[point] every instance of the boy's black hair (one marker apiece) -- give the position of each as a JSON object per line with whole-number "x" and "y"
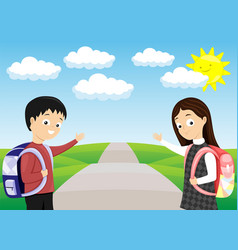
{"x": 40, "y": 105}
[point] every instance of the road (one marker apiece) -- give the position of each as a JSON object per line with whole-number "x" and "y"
{"x": 118, "y": 182}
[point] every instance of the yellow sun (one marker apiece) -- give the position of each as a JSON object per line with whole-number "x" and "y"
{"x": 210, "y": 65}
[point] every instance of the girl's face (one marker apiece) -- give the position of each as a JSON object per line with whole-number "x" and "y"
{"x": 189, "y": 125}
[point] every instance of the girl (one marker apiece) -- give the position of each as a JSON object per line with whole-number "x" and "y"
{"x": 192, "y": 124}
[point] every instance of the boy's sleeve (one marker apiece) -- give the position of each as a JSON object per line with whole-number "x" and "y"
{"x": 27, "y": 166}
{"x": 60, "y": 149}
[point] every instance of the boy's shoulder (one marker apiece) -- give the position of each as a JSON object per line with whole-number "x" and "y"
{"x": 32, "y": 145}
{"x": 39, "y": 147}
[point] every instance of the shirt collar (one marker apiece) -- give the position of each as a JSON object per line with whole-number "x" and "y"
{"x": 198, "y": 141}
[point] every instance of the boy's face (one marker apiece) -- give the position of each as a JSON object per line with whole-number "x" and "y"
{"x": 46, "y": 126}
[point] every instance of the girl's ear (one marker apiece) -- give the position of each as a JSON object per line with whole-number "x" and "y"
{"x": 204, "y": 119}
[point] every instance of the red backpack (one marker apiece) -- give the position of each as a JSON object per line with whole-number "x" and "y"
{"x": 224, "y": 184}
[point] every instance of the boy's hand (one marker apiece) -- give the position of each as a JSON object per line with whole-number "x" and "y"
{"x": 79, "y": 137}
{"x": 157, "y": 137}
{"x": 44, "y": 173}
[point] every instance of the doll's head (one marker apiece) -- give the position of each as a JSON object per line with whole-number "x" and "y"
{"x": 227, "y": 166}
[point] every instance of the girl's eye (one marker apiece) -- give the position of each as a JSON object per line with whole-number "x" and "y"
{"x": 190, "y": 122}
{"x": 58, "y": 125}
{"x": 46, "y": 122}
{"x": 179, "y": 126}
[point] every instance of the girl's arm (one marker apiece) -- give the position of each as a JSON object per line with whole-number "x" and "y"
{"x": 181, "y": 150}
{"x": 210, "y": 161}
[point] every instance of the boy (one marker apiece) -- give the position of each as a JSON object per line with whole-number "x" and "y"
{"x": 44, "y": 116}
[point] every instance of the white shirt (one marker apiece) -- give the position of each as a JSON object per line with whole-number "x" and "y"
{"x": 210, "y": 160}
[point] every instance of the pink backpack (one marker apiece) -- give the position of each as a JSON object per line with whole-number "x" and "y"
{"x": 224, "y": 184}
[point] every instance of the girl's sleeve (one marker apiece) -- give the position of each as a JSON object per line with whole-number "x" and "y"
{"x": 60, "y": 149}
{"x": 211, "y": 165}
{"x": 181, "y": 150}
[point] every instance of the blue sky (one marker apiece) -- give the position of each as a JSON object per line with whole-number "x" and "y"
{"x": 121, "y": 32}
{"x": 135, "y": 119}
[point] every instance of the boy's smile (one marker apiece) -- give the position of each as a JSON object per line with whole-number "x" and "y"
{"x": 46, "y": 126}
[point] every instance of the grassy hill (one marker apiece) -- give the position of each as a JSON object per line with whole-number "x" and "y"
{"x": 171, "y": 166}
{"x": 160, "y": 158}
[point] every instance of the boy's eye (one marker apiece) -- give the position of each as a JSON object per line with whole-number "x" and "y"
{"x": 190, "y": 122}
{"x": 58, "y": 125}
{"x": 179, "y": 126}
{"x": 46, "y": 122}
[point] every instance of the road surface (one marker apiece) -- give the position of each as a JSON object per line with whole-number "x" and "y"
{"x": 118, "y": 182}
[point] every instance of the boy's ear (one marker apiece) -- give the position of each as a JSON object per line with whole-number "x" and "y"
{"x": 31, "y": 121}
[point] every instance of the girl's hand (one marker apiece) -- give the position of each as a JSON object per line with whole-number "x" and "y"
{"x": 193, "y": 181}
{"x": 157, "y": 137}
{"x": 79, "y": 137}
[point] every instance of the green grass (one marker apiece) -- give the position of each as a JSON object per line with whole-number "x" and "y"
{"x": 89, "y": 153}
{"x": 171, "y": 166}
{"x": 65, "y": 166}
{"x": 160, "y": 158}
{"x": 147, "y": 153}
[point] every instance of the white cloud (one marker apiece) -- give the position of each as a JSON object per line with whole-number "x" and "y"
{"x": 87, "y": 58}
{"x": 102, "y": 88}
{"x": 32, "y": 69}
{"x": 181, "y": 77}
{"x": 151, "y": 57}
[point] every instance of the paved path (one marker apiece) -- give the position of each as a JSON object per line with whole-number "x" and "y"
{"x": 118, "y": 152}
{"x": 118, "y": 182}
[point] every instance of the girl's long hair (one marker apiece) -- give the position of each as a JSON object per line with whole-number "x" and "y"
{"x": 201, "y": 110}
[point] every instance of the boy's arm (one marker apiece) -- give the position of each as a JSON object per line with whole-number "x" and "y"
{"x": 60, "y": 149}
{"x": 27, "y": 166}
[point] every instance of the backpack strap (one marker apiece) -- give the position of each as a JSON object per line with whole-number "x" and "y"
{"x": 196, "y": 160}
{"x": 186, "y": 154}
{"x": 42, "y": 162}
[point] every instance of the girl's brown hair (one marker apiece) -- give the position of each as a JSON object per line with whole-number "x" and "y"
{"x": 201, "y": 110}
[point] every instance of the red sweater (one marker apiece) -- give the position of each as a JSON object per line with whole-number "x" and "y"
{"x": 31, "y": 167}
